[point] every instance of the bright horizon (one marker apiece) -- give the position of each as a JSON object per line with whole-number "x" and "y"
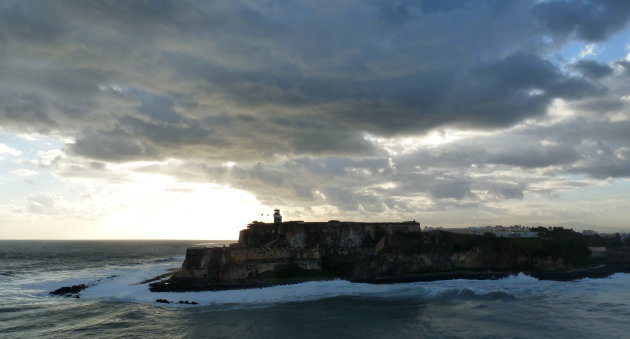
{"x": 190, "y": 120}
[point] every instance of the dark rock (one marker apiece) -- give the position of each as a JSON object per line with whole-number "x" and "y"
{"x": 601, "y": 271}
{"x": 163, "y": 301}
{"x": 73, "y": 291}
{"x": 70, "y": 291}
{"x": 159, "y": 277}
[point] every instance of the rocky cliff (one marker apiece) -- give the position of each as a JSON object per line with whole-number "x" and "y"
{"x": 268, "y": 254}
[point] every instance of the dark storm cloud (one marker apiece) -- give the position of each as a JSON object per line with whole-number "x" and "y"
{"x": 456, "y": 189}
{"x": 24, "y": 109}
{"x": 430, "y": 6}
{"x": 115, "y": 146}
{"x": 593, "y": 69}
{"x": 27, "y": 21}
{"x": 519, "y": 71}
{"x": 294, "y": 92}
{"x": 590, "y": 20}
{"x": 314, "y": 79}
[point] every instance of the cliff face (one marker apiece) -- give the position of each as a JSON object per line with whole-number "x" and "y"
{"x": 277, "y": 253}
{"x": 227, "y": 265}
{"x": 269, "y": 254}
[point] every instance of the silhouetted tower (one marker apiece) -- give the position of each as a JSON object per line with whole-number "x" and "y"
{"x": 277, "y": 218}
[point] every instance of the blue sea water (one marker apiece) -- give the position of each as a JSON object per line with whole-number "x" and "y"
{"x": 117, "y": 306}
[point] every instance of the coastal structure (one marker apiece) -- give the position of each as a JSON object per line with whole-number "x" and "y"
{"x": 277, "y": 217}
{"x": 325, "y": 235}
{"x": 515, "y": 231}
{"x": 377, "y": 252}
{"x": 294, "y": 250}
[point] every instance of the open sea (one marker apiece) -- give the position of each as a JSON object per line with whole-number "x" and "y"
{"x": 117, "y": 306}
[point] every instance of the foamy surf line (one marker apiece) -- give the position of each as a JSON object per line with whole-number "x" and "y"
{"x": 123, "y": 284}
{"x": 123, "y": 288}
{"x": 44, "y": 282}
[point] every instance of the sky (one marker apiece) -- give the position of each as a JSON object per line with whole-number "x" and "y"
{"x": 190, "y": 119}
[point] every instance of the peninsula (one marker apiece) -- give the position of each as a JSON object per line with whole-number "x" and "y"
{"x": 269, "y": 254}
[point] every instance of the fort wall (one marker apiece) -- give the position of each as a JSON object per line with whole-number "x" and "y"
{"x": 321, "y": 234}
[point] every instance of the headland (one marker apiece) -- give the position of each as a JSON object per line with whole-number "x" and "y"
{"x": 268, "y": 254}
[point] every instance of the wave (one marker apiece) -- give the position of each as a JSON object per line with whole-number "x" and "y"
{"x": 124, "y": 283}
{"x": 176, "y": 258}
{"x": 125, "y": 287}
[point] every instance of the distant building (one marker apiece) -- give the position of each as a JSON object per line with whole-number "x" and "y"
{"x": 589, "y": 232}
{"x": 515, "y": 231}
{"x": 519, "y": 234}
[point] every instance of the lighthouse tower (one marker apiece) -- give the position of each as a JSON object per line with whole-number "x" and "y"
{"x": 277, "y": 218}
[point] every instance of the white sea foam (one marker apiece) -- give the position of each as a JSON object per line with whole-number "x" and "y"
{"x": 123, "y": 287}
{"x": 121, "y": 283}
{"x": 41, "y": 283}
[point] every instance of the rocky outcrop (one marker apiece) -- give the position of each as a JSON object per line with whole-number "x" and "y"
{"x": 74, "y": 291}
{"x": 269, "y": 254}
{"x": 70, "y": 291}
{"x": 235, "y": 265}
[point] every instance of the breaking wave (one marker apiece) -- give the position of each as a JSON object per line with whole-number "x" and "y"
{"x": 124, "y": 283}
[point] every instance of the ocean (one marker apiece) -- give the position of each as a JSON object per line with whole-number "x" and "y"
{"x": 117, "y": 305}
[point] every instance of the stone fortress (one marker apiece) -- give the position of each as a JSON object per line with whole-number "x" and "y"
{"x": 268, "y": 254}
{"x": 291, "y": 250}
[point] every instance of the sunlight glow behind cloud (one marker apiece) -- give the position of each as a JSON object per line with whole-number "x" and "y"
{"x": 189, "y": 119}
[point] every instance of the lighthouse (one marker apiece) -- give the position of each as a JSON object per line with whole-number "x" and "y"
{"x": 277, "y": 218}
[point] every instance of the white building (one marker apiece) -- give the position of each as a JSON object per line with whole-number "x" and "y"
{"x": 515, "y": 231}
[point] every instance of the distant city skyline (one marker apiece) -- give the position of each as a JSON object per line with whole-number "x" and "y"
{"x": 190, "y": 119}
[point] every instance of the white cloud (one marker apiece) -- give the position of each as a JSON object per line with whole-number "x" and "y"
{"x": 23, "y": 172}
{"x": 46, "y": 158}
{"x": 5, "y": 149}
{"x": 381, "y": 111}
{"x": 46, "y": 204}
{"x": 589, "y": 50}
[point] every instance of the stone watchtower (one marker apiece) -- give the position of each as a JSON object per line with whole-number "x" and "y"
{"x": 277, "y": 218}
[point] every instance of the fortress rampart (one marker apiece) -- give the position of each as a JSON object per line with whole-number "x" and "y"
{"x": 297, "y": 234}
{"x": 289, "y": 252}
{"x": 266, "y": 251}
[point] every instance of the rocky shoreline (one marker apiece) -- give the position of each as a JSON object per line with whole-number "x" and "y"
{"x": 385, "y": 253}
{"x": 600, "y": 271}
{"x": 162, "y": 283}
{"x": 74, "y": 291}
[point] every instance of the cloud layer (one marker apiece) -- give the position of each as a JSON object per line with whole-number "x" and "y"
{"x": 325, "y": 103}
